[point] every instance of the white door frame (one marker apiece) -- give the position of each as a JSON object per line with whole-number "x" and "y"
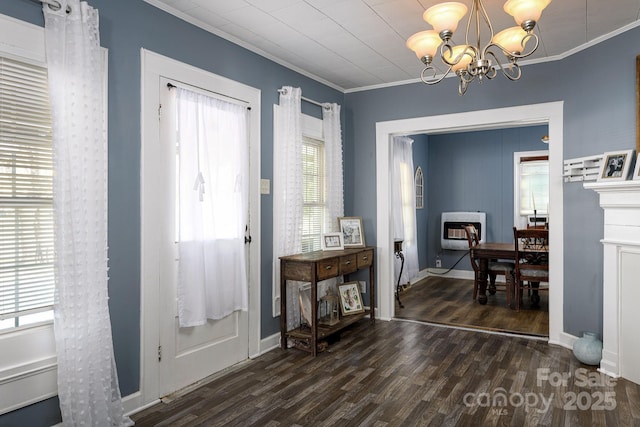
{"x": 547, "y": 113}
{"x": 153, "y": 66}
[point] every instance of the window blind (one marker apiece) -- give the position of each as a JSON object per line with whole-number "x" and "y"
{"x": 313, "y": 194}
{"x": 26, "y": 194}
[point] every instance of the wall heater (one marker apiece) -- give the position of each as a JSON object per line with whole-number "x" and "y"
{"x": 452, "y": 235}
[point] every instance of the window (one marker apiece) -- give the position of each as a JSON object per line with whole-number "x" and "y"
{"x": 314, "y": 194}
{"x": 419, "y": 188}
{"x": 26, "y": 196}
{"x": 531, "y": 186}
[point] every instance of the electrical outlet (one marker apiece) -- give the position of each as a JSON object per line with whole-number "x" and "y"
{"x": 438, "y": 263}
{"x": 363, "y": 286}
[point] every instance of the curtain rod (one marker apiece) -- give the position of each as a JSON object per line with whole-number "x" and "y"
{"x": 324, "y": 105}
{"x": 209, "y": 93}
{"x": 54, "y": 4}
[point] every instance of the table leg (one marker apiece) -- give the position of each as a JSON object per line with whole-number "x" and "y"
{"x": 283, "y": 308}
{"x": 314, "y": 317}
{"x": 482, "y": 280}
{"x": 535, "y": 297}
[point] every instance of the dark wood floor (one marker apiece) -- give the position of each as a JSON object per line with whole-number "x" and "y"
{"x": 450, "y": 302}
{"x": 403, "y": 373}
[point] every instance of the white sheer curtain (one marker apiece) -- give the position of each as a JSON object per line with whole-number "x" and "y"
{"x": 87, "y": 378}
{"x": 404, "y": 207}
{"x": 287, "y": 192}
{"x": 213, "y": 207}
{"x": 334, "y": 170}
{"x": 288, "y": 188}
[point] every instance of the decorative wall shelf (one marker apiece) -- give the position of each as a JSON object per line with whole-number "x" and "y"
{"x": 582, "y": 169}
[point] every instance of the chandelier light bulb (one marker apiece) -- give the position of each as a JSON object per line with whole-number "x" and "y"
{"x": 445, "y": 16}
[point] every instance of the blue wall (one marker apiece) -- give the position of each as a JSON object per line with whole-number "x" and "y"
{"x": 599, "y": 116}
{"x": 458, "y": 169}
{"x": 473, "y": 171}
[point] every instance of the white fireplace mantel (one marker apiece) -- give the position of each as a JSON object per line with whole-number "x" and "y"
{"x": 621, "y": 272}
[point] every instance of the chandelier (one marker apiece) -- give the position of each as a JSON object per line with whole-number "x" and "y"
{"x": 471, "y": 60}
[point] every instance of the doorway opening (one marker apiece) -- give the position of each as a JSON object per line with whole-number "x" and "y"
{"x": 550, "y": 114}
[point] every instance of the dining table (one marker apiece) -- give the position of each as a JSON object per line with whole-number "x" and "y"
{"x": 487, "y": 251}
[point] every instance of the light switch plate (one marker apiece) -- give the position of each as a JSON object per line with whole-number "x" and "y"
{"x": 265, "y": 186}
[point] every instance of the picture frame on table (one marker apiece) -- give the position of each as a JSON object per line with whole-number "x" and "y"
{"x": 636, "y": 170}
{"x": 350, "y": 298}
{"x": 352, "y": 231}
{"x": 304, "y": 298}
{"x": 332, "y": 241}
{"x": 615, "y": 165}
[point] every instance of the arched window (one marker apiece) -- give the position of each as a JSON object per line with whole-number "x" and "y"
{"x": 419, "y": 188}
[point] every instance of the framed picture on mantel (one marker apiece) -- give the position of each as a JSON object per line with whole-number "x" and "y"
{"x": 615, "y": 165}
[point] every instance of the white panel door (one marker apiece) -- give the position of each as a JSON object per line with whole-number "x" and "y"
{"x": 187, "y": 355}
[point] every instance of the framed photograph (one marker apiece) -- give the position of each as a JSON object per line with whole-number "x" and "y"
{"x": 304, "y": 298}
{"x": 352, "y": 231}
{"x": 332, "y": 242}
{"x": 615, "y": 165}
{"x": 350, "y": 298}
{"x": 636, "y": 171}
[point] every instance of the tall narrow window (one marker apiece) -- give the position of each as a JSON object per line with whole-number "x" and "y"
{"x": 26, "y": 196}
{"x": 419, "y": 188}
{"x": 314, "y": 193}
{"x": 531, "y": 186}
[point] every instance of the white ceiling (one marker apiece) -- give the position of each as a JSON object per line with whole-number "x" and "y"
{"x": 353, "y": 44}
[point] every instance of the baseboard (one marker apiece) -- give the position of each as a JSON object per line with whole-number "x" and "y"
{"x": 269, "y": 343}
{"x": 133, "y": 404}
{"x": 450, "y": 274}
{"x": 565, "y": 340}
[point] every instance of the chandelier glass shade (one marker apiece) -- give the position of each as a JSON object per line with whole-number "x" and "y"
{"x": 473, "y": 59}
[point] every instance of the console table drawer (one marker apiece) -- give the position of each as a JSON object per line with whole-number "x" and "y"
{"x": 327, "y": 268}
{"x": 365, "y": 258}
{"x": 348, "y": 264}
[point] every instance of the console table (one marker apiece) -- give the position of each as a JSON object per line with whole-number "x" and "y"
{"x": 313, "y": 267}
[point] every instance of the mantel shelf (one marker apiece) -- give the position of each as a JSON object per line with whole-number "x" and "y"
{"x": 629, "y": 185}
{"x": 617, "y": 194}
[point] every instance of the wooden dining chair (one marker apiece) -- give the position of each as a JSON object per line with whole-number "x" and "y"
{"x": 503, "y": 268}
{"x": 532, "y": 263}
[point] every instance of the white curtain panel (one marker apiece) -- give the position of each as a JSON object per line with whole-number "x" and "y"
{"x": 213, "y": 172}
{"x": 404, "y": 207}
{"x": 87, "y": 378}
{"x": 287, "y": 194}
{"x": 334, "y": 170}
